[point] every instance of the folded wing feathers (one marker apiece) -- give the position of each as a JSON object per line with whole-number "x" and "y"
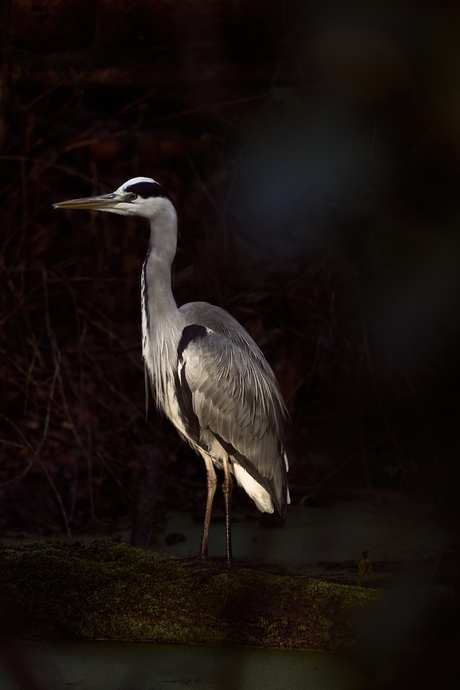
{"x": 235, "y": 395}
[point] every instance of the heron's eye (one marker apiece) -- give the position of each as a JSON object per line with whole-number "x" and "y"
{"x": 132, "y": 196}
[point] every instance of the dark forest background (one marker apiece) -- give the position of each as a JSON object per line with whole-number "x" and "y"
{"x": 313, "y": 152}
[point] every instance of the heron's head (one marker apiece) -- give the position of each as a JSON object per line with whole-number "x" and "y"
{"x": 140, "y": 196}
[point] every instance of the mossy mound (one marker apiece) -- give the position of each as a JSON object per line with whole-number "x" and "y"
{"x": 106, "y": 591}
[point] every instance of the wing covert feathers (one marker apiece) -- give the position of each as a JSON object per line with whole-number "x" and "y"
{"x": 227, "y": 391}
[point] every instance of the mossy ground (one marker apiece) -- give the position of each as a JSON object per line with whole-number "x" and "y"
{"x": 106, "y": 591}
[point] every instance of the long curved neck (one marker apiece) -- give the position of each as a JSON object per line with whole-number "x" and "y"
{"x": 157, "y": 296}
{"x": 161, "y": 320}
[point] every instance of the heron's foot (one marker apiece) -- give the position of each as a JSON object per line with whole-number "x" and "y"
{"x": 194, "y": 561}
{"x": 205, "y": 568}
{"x": 212, "y": 568}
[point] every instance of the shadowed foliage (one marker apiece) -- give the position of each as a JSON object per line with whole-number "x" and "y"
{"x": 310, "y": 150}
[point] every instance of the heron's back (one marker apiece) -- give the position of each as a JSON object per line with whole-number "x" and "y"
{"x": 228, "y": 392}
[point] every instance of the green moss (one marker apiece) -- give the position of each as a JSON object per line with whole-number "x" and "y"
{"x": 115, "y": 592}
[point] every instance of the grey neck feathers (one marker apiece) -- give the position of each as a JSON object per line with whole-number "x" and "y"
{"x": 161, "y": 320}
{"x": 157, "y": 264}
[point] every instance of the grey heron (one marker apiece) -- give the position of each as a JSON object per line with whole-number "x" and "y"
{"x": 207, "y": 374}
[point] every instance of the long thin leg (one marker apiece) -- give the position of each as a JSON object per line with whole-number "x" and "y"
{"x": 227, "y": 491}
{"x": 211, "y": 483}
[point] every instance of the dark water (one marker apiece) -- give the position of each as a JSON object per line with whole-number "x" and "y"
{"x": 120, "y": 666}
{"x": 403, "y": 540}
{"x": 405, "y": 543}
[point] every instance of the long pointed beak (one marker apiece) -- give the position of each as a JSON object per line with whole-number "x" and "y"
{"x": 97, "y": 203}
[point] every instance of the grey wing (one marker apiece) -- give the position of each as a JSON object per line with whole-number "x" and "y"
{"x": 225, "y": 394}
{"x": 220, "y": 321}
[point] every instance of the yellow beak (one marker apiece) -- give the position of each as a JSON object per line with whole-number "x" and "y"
{"x": 97, "y": 203}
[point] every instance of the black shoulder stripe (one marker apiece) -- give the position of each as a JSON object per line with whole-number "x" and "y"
{"x": 184, "y": 399}
{"x": 189, "y": 334}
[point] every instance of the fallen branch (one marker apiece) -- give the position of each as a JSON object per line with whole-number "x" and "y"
{"x": 107, "y": 591}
